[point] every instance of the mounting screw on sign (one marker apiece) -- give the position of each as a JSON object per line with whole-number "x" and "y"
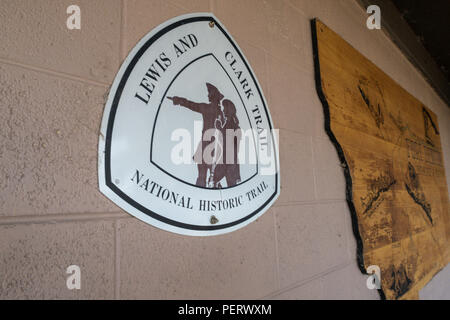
{"x": 213, "y": 220}
{"x": 374, "y": 20}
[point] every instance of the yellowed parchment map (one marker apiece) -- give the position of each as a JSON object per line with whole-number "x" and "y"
{"x": 389, "y": 145}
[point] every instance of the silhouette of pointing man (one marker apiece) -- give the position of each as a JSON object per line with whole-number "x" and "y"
{"x": 210, "y": 112}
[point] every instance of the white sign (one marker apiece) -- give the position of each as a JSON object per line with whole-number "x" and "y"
{"x": 186, "y": 141}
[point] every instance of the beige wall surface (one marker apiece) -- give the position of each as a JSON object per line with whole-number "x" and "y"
{"x": 53, "y": 86}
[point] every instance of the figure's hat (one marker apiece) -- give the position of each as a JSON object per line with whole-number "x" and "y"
{"x": 212, "y": 90}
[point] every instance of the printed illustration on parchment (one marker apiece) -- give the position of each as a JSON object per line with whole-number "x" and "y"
{"x": 389, "y": 146}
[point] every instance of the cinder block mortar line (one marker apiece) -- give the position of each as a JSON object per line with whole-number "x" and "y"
{"x": 308, "y": 203}
{"x": 298, "y": 132}
{"x": 303, "y": 133}
{"x": 122, "y": 42}
{"x": 267, "y": 94}
{"x": 117, "y": 260}
{"x": 187, "y": 8}
{"x": 59, "y": 218}
{"x": 122, "y": 55}
{"x": 277, "y": 257}
{"x": 298, "y": 10}
{"x": 277, "y": 261}
{"x": 299, "y": 67}
{"x": 54, "y": 73}
{"x": 239, "y": 40}
{"x": 314, "y": 169}
{"x": 305, "y": 281}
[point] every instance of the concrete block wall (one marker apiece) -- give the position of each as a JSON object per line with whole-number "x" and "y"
{"x": 53, "y": 87}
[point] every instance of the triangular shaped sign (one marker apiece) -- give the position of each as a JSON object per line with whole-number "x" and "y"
{"x": 186, "y": 141}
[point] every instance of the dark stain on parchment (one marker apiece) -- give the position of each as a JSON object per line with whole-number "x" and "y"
{"x": 414, "y": 189}
{"x": 376, "y": 188}
{"x": 429, "y": 124}
{"x": 400, "y": 281}
{"x": 373, "y": 106}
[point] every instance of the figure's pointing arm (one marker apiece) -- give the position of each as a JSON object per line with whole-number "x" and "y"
{"x": 194, "y": 106}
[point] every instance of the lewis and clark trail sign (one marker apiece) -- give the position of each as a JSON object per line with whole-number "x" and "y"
{"x": 186, "y": 141}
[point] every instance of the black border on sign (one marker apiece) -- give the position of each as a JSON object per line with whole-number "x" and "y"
{"x": 156, "y": 119}
{"x": 112, "y": 116}
{"x": 348, "y": 177}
